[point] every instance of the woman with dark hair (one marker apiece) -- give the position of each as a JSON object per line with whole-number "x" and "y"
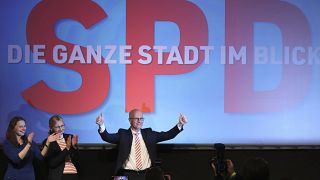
{"x": 20, "y": 150}
{"x": 62, "y": 156}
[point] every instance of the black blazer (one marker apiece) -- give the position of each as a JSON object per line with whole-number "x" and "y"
{"x": 55, "y": 158}
{"x": 123, "y": 138}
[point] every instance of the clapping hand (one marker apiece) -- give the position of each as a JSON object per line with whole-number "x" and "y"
{"x": 74, "y": 141}
{"x": 30, "y": 137}
{"x": 68, "y": 143}
{"x": 53, "y": 137}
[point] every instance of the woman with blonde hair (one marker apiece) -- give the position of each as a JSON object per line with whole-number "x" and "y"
{"x": 62, "y": 156}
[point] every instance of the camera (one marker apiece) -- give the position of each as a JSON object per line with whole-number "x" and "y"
{"x": 219, "y": 159}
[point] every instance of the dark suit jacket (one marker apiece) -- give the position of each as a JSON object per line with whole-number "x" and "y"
{"x": 55, "y": 158}
{"x": 123, "y": 138}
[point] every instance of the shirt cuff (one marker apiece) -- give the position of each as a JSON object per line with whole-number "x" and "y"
{"x": 179, "y": 126}
{"x": 102, "y": 127}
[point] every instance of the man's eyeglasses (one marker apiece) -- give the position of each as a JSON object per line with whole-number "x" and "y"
{"x": 59, "y": 127}
{"x": 136, "y": 119}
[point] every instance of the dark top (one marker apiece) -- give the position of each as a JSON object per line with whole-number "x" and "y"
{"x": 123, "y": 138}
{"x": 55, "y": 158}
{"x": 20, "y": 169}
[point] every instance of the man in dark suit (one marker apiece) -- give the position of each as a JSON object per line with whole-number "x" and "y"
{"x": 137, "y": 146}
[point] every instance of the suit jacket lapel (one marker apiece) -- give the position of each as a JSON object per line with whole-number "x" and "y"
{"x": 129, "y": 138}
{"x": 145, "y": 139}
{"x": 144, "y": 135}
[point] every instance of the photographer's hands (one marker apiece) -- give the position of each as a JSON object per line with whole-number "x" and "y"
{"x": 213, "y": 167}
{"x": 230, "y": 168}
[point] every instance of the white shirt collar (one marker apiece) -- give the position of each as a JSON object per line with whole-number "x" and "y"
{"x": 135, "y": 132}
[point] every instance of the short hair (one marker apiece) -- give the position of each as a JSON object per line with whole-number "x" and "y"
{"x": 52, "y": 121}
{"x": 133, "y": 111}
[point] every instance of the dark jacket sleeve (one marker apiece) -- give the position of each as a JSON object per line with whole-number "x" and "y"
{"x": 172, "y": 133}
{"x": 55, "y": 156}
{"x": 11, "y": 152}
{"x": 113, "y": 138}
